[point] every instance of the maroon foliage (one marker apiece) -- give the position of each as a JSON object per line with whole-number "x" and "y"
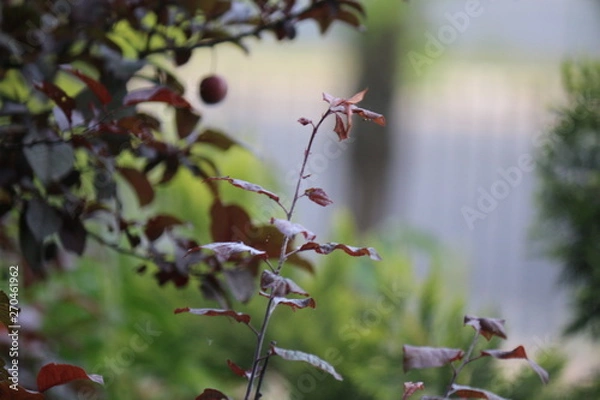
{"x": 211, "y": 312}
{"x": 427, "y": 357}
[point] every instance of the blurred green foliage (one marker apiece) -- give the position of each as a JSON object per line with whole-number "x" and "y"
{"x": 569, "y": 167}
{"x": 105, "y": 316}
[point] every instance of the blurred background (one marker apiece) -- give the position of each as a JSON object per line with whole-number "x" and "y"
{"x": 446, "y": 193}
{"x": 467, "y": 103}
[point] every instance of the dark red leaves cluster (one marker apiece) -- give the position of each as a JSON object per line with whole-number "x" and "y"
{"x": 61, "y": 173}
{"x": 345, "y": 108}
{"x": 430, "y": 357}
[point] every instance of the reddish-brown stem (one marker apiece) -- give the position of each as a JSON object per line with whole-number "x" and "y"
{"x": 261, "y": 377}
{"x": 466, "y": 359}
{"x": 282, "y": 257}
{"x": 304, "y": 162}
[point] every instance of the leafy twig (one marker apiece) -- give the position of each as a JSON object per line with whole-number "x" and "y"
{"x": 466, "y": 359}
{"x": 235, "y": 38}
{"x": 282, "y": 258}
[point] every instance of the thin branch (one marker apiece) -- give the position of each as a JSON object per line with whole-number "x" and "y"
{"x": 120, "y": 249}
{"x": 466, "y": 359}
{"x": 285, "y": 210}
{"x": 282, "y": 258}
{"x": 258, "y": 349}
{"x": 263, "y": 370}
{"x": 291, "y": 253}
{"x": 266, "y": 260}
{"x": 235, "y": 38}
{"x": 253, "y": 329}
{"x": 304, "y": 162}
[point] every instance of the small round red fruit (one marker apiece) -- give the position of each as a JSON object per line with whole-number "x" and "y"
{"x": 213, "y": 89}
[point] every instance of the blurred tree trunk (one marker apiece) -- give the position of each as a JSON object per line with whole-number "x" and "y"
{"x": 371, "y": 152}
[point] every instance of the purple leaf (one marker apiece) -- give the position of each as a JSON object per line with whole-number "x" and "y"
{"x": 351, "y": 250}
{"x": 281, "y": 286}
{"x": 155, "y": 94}
{"x": 58, "y": 374}
{"x": 251, "y": 187}
{"x": 96, "y": 87}
{"x": 428, "y": 357}
{"x": 410, "y": 388}
{"x": 213, "y": 312}
{"x": 473, "y": 393}
{"x": 224, "y": 250}
{"x": 156, "y": 225}
{"x": 294, "y": 303}
{"x": 293, "y": 355}
{"x": 72, "y": 234}
{"x": 61, "y": 99}
{"x": 240, "y": 282}
{"x": 211, "y": 394}
{"x": 239, "y": 371}
{"x": 488, "y": 327}
{"x": 318, "y": 196}
{"x": 519, "y": 353}
{"x": 140, "y": 184}
{"x": 291, "y": 229}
